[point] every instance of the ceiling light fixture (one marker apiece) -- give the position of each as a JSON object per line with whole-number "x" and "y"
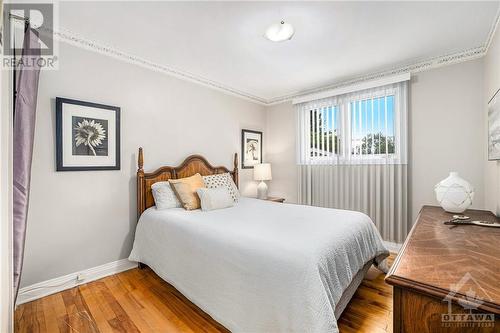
{"x": 280, "y": 32}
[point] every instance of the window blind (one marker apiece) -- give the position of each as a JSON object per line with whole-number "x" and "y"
{"x": 367, "y": 127}
{"x": 352, "y": 154}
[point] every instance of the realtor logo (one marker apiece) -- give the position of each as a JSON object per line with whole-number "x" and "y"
{"x": 41, "y": 18}
{"x": 471, "y": 302}
{"x": 41, "y": 21}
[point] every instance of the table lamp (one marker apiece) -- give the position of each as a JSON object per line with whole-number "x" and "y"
{"x": 262, "y": 172}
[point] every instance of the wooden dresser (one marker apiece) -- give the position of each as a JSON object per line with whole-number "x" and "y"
{"x": 445, "y": 278}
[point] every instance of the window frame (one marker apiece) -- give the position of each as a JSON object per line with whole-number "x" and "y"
{"x": 309, "y": 151}
{"x": 345, "y": 129}
{"x": 360, "y": 97}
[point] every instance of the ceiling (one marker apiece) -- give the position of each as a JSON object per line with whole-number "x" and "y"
{"x": 222, "y": 42}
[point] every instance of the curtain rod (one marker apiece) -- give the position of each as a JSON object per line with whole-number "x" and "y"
{"x": 17, "y": 17}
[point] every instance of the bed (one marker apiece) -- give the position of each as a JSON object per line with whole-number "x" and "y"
{"x": 258, "y": 266}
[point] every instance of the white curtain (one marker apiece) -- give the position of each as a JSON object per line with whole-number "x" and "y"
{"x": 352, "y": 154}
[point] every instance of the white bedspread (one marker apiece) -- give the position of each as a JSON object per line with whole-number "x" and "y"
{"x": 260, "y": 266}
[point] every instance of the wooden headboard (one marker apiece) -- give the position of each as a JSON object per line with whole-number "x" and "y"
{"x": 191, "y": 165}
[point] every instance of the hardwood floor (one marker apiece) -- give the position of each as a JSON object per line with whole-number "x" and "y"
{"x": 139, "y": 301}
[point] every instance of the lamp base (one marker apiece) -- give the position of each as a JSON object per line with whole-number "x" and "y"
{"x": 262, "y": 190}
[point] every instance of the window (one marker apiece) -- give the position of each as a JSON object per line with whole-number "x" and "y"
{"x": 324, "y": 131}
{"x": 372, "y": 126}
{"x": 362, "y": 127}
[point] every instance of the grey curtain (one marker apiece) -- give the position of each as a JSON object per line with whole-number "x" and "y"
{"x": 24, "y": 131}
{"x": 378, "y": 190}
{"x": 371, "y": 180}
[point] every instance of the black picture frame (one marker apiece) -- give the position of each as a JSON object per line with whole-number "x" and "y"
{"x": 243, "y": 131}
{"x": 60, "y": 101}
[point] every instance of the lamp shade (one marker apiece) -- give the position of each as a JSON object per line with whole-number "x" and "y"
{"x": 262, "y": 172}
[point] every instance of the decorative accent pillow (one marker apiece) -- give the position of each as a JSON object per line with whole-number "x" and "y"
{"x": 185, "y": 190}
{"x": 223, "y": 180}
{"x": 164, "y": 196}
{"x": 215, "y": 198}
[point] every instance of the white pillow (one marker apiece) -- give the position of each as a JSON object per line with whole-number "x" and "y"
{"x": 164, "y": 196}
{"x": 215, "y": 198}
{"x": 222, "y": 180}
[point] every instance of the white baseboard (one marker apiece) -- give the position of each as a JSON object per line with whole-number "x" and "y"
{"x": 393, "y": 247}
{"x": 52, "y": 286}
{"x": 45, "y": 288}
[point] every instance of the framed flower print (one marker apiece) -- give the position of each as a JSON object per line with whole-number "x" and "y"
{"x": 87, "y": 136}
{"x": 251, "y": 148}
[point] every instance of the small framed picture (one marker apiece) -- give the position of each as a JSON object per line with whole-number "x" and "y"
{"x": 494, "y": 127}
{"x": 87, "y": 136}
{"x": 251, "y": 148}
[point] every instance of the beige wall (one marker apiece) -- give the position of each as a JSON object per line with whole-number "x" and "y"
{"x": 445, "y": 134}
{"x": 491, "y": 85}
{"x": 280, "y": 151}
{"x": 78, "y": 220}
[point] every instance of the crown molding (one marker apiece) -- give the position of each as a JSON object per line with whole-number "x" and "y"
{"x": 77, "y": 40}
{"x": 411, "y": 68}
{"x": 74, "y": 39}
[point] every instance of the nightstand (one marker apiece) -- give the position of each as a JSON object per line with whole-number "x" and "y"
{"x": 275, "y": 199}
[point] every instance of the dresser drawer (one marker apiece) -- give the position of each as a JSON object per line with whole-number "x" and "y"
{"x": 447, "y": 279}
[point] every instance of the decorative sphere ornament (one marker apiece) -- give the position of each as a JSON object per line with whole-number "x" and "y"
{"x": 454, "y": 194}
